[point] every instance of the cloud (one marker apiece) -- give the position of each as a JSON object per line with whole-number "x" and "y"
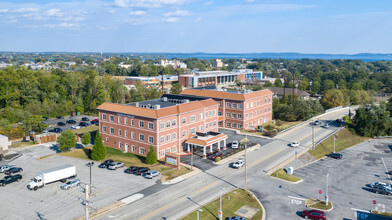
{"x": 4, "y": 10}
{"x": 209, "y": 3}
{"x": 178, "y": 13}
{"x": 172, "y": 19}
{"x": 146, "y": 3}
{"x": 54, "y": 12}
{"x": 26, "y": 10}
{"x": 137, "y": 13}
{"x": 64, "y": 25}
{"x": 250, "y": 1}
{"x": 135, "y": 21}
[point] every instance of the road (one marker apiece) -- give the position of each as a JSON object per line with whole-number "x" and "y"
{"x": 175, "y": 201}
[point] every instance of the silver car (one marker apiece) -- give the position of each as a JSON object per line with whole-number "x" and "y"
{"x": 4, "y": 168}
{"x": 151, "y": 174}
{"x": 115, "y": 165}
{"x": 72, "y": 183}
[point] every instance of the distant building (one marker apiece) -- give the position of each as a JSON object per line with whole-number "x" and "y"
{"x": 151, "y": 81}
{"x": 280, "y": 92}
{"x": 175, "y": 63}
{"x": 4, "y": 144}
{"x": 217, "y": 78}
{"x": 126, "y": 66}
{"x": 218, "y": 63}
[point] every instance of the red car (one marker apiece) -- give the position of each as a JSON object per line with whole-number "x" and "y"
{"x": 390, "y": 172}
{"x": 314, "y": 214}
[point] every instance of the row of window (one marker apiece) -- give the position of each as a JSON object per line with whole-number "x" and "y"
{"x": 233, "y": 115}
{"x": 120, "y": 120}
{"x": 119, "y": 133}
{"x": 184, "y": 132}
{"x": 259, "y": 112}
{"x": 142, "y": 150}
{"x": 258, "y": 103}
{"x": 233, "y": 125}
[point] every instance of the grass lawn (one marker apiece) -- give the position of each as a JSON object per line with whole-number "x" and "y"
{"x": 321, "y": 205}
{"x": 281, "y": 125}
{"x": 345, "y": 140}
{"x": 90, "y": 128}
{"x": 382, "y": 213}
{"x": 280, "y": 173}
{"x": 22, "y": 144}
{"x": 172, "y": 173}
{"x": 238, "y": 198}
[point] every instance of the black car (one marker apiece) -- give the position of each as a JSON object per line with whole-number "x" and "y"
{"x": 141, "y": 171}
{"x": 83, "y": 124}
{"x": 61, "y": 123}
{"x": 59, "y": 117}
{"x": 105, "y": 164}
{"x": 45, "y": 118}
{"x": 52, "y": 130}
{"x": 13, "y": 170}
{"x": 85, "y": 119}
{"x": 10, "y": 179}
{"x": 335, "y": 155}
{"x": 131, "y": 170}
{"x": 58, "y": 130}
{"x": 93, "y": 122}
{"x": 71, "y": 122}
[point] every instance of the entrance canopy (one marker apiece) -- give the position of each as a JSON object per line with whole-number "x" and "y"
{"x": 206, "y": 139}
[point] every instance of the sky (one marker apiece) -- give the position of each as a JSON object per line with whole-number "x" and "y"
{"x": 187, "y": 26}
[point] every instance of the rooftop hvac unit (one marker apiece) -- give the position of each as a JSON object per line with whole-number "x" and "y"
{"x": 165, "y": 99}
{"x": 156, "y": 106}
{"x": 185, "y": 101}
{"x": 137, "y": 104}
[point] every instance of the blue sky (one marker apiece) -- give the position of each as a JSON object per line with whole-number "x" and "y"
{"x": 215, "y": 26}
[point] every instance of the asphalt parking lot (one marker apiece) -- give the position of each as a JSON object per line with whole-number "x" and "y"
{"x": 53, "y": 122}
{"x": 206, "y": 164}
{"x": 50, "y": 202}
{"x": 347, "y": 183}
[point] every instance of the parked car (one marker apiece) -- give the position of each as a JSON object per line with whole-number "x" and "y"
{"x": 314, "y": 214}
{"x": 131, "y": 170}
{"x": 141, "y": 171}
{"x": 382, "y": 189}
{"x": 4, "y": 168}
{"x": 151, "y": 174}
{"x": 105, "y": 164}
{"x": 52, "y": 130}
{"x": 58, "y": 130}
{"x": 10, "y": 179}
{"x": 72, "y": 183}
{"x": 83, "y": 124}
{"x": 235, "y": 218}
{"x": 294, "y": 144}
{"x": 390, "y": 172}
{"x": 326, "y": 125}
{"x": 75, "y": 127}
{"x": 85, "y": 119}
{"x": 59, "y": 117}
{"x": 71, "y": 122}
{"x": 96, "y": 120}
{"x": 238, "y": 164}
{"x": 234, "y": 144}
{"x": 335, "y": 155}
{"x": 45, "y": 118}
{"x": 61, "y": 123}
{"x": 13, "y": 170}
{"x": 115, "y": 165}
{"x": 379, "y": 184}
{"x": 338, "y": 120}
{"x": 215, "y": 155}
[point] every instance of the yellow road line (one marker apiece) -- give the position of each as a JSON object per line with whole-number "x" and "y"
{"x": 266, "y": 157}
{"x": 309, "y": 135}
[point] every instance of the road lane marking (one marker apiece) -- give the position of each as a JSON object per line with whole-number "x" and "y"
{"x": 296, "y": 198}
{"x": 264, "y": 158}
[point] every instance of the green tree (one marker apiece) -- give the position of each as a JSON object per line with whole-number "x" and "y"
{"x": 370, "y": 121}
{"x": 34, "y": 122}
{"x": 176, "y": 88}
{"x": 151, "y": 156}
{"x": 268, "y": 84}
{"x": 316, "y": 87}
{"x": 66, "y": 140}
{"x": 328, "y": 84}
{"x": 333, "y": 98}
{"x": 99, "y": 150}
{"x": 86, "y": 138}
{"x": 278, "y": 83}
{"x": 303, "y": 85}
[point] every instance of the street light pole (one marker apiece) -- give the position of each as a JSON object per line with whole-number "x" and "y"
{"x": 220, "y": 203}
{"x": 326, "y": 192}
{"x": 313, "y": 134}
{"x": 198, "y": 210}
{"x": 192, "y": 159}
{"x": 90, "y": 164}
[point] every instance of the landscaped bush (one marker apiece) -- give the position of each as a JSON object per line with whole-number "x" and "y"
{"x": 217, "y": 159}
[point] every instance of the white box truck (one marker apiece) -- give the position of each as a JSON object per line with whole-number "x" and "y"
{"x": 52, "y": 175}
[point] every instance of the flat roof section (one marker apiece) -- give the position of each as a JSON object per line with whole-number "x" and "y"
{"x": 168, "y": 100}
{"x": 205, "y": 139}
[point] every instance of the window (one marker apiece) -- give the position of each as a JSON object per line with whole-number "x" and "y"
{"x": 210, "y": 124}
{"x": 174, "y": 149}
{"x": 111, "y": 130}
{"x": 133, "y": 148}
{"x": 168, "y": 124}
{"x": 174, "y": 135}
{"x": 183, "y": 120}
{"x": 247, "y": 116}
{"x": 200, "y": 116}
{"x": 111, "y": 118}
{"x": 269, "y": 108}
{"x": 126, "y": 133}
{"x": 103, "y": 116}
{"x": 141, "y": 150}
{"x": 162, "y": 153}
{"x": 119, "y": 119}
{"x": 103, "y": 128}
{"x": 228, "y": 104}
{"x": 168, "y": 137}
{"x": 201, "y": 128}
{"x": 240, "y": 106}
{"x": 150, "y": 139}
{"x": 251, "y": 114}
{"x": 251, "y": 104}
{"x": 239, "y": 126}
{"x": 125, "y": 120}
{"x": 233, "y": 125}
{"x": 119, "y": 132}
{"x": 107, "y": 139}
{"x": 119, "y": 145}
{"x": 247, "y": 105}
{"x": 193, "y": 130}
{"x": 211, "y": 113}
{"x": 219, "y": 113}
{"x": 228, "y": 114}
{"x": 227, "y": 124}
{"x": 174, "y": 122}
{"x": 239, "y": 116}
{"x": 168, "y": 150}
{"x": 265, "y": 101}
{"x": 141, "y": 124}
{"x": 220, "y": 103}
{"x": 162, "y": 125}
{"x": 214, "y": 123}
{"x": 192, "y": 118}
{"x": 132, "y": 135}
{"x": 162, "y": 139}
{"x": 234, "y": 115}
{"x": 214, "y": 112}
{"x": 265, "y": 110}
{"x": 206, "y": 114}
{"x": 206, "y": 125}
{"x": 269, "y": 100}
{"x": 150, "y": 125}
{"x": 183, "y": 133}
{"x": 141, "y": 137}
{"x": 132, "y": 122}
{"x": 234, "y": 105}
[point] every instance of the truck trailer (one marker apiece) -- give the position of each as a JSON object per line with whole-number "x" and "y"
{"x": 62, "y": 174}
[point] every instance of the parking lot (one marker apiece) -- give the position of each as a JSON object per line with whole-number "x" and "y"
{"x": 53, "y": 122}
{"x": 206, "y": 164}
{"x": 50, "y": 202}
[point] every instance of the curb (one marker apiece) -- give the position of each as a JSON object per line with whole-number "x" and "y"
{"x": 184, "y": 176}
{"x": 236, "y": 155}
{"x": 299, "y": 181}
{"x": 262, "y": 207}
{"x": 323, "y": 210}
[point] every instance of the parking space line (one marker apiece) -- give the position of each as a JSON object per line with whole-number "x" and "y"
{"x": 296, "y": 198}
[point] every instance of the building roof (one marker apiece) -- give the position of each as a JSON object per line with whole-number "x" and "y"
{"x": 221, "y": 94}
{"x": 177, "y": 108}
{"x": 206, "y": 138}
{"x": 281, "y": 91}
{"x": 2, "y": 136}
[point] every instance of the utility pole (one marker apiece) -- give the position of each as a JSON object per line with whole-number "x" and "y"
{"x": 86, "y": 202}
{"x": 162, "y": 83}
{"x": 90, "y": 164}
{"x": 192, "y": 159}
{"x": 246, "y": 161}
{"x": 313, "y": 134}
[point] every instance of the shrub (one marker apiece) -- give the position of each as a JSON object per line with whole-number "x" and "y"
{"x": 151, "y": 156}
{"x": 86, "y": 139}
{"x": 99, "y": 150}
{"x": 66, "y": 140}
{"x": 217, "y": 159}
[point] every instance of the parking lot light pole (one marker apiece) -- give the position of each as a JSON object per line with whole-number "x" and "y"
{"x": 326, "y": 192}
{"x": 246, "y": 161}
{"x": 198, "y": 210}
{"x": 90, "y": 164}
{"x": 192, "y": 159}
{"x": 220, "y": 203}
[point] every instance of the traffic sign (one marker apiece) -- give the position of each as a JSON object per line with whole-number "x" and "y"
{"x": 374, "y": 202}
{"x": 220, "y": 214}
{"x": 320, "y": 191}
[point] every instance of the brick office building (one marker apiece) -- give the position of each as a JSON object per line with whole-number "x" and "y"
{"x": 238, "y": 109}
{"x": 172, "y": 124}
